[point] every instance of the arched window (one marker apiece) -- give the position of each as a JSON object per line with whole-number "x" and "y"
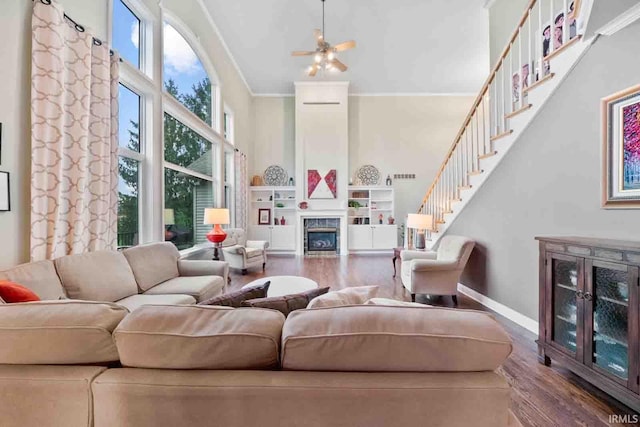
{"x": 185, "y": 78}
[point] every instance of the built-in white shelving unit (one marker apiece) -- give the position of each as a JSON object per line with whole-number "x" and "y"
{"x": 370, "y": 208}
{"x": 281, "y": 204}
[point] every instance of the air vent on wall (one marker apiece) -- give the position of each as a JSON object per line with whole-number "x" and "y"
{"x": 404, "y": 176}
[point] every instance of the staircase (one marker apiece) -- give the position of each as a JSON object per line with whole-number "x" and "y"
{"x": 501, "y": 113}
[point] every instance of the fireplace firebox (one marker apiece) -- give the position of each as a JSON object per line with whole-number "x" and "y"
{"x": 322, "y": 237}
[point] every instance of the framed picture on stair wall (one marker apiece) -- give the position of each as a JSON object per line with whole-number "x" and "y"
{"x": 621, "y": 149}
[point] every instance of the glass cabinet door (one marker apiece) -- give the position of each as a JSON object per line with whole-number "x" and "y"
{"x": 608, "y": 301}
{"x": 566, "y": 316}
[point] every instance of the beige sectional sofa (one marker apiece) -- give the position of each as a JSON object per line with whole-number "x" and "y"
{"x": 74, "y": 363}
{"x": 146, "y": 274}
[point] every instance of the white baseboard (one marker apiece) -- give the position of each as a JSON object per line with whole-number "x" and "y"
{"x": 501, "y": 309}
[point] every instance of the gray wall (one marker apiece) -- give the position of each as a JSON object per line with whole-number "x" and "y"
{"x": 504, "y": 15}
{"x": 549, "y": 183}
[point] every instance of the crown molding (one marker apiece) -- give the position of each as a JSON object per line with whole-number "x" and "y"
{"x": 381, "y": 94}
{"x": 620, "y": 22}
{"x": 216, "y": 30}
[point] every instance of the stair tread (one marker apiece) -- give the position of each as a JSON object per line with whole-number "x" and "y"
{"x": 563, "y": 47}
{"x": 540, "y": 82}
{"x": 501, "y": 135}
{"x": 486, "y": 156}
{"x": 518, "y": 111}
{"x": 474, "y": 173}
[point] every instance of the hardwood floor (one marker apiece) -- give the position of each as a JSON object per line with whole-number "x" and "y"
{"x": 540, "y": 396}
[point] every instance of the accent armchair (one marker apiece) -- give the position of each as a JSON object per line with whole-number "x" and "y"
{"x": 241, "y": 253}
{"x": 436, "y": 272}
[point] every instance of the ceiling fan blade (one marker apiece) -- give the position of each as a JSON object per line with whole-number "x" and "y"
{"x": 302, "y": 53}
{"x": 314, "y": 70}
{"x": 344, "y": 46}
{"x": 317, "y": 34}
{"x": 339, "y": 65}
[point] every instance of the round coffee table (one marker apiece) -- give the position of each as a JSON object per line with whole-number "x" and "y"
{"x": 284, "y": 285}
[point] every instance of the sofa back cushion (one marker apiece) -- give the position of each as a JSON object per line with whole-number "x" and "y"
{"x": 348, "y": 296}
{"x": 96, "y": 276}
{"x": 40, "y": 277}
{"x": 393, "y": 339}
{"x": 235, "y": 236}
{"x": 61, "y": 332}
{"x": 153, "y": 264}
{"x": 199, "y": 337}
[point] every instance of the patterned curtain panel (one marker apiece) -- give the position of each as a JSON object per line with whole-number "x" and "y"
{"x": 242, "y": 189}
{"x": 74, "y": 143}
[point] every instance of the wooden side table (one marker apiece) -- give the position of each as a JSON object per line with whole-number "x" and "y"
{"x": 396, "y": 255}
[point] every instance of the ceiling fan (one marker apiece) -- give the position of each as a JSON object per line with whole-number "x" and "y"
{"x": 325, "y": 54}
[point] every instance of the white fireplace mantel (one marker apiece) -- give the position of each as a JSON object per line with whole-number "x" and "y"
{"x": 341, "y": 214}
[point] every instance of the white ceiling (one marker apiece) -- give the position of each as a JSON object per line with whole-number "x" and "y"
{"x": 403, "y": 46}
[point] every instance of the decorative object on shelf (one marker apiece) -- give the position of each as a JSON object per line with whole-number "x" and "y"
{"x": 256, "y": 181}
{"x": 283, "y": 221}
{"x": 277, "y": 195}
{"x": 621, "y": 149}
{"x": 279, "y": 205}
{"x": 374, "y": 205}
{"x": 350, "y": 181}
{"x": 388, "y": 181}
{"x": 5, "y": 199}
{"x": 276, "y": 221}
{"x": 271, "y": 198}
{"x": 322, "y": 188}
{"x": 275, "y": 175}
{"x": 216, "y": 217}
{"x": 391, "y": 220}
{"x": 366, "y": 221}
{"x": 380, "y": 219}
{"x": 303, "y": 205}
{"x": 264, "y": 216}
{"x": 291, "y": 182}
{"x": 354, "y": 204}
{"x": 420, "y": 223}
{"x": 368, "y": 175}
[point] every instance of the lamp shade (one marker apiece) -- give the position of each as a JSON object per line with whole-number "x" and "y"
{"x": 420, "y": 221}
{"x": 169, "y": 217}
{"x": 216, "y": 216}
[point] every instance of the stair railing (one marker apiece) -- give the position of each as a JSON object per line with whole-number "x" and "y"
{"x": 546, "y": 28}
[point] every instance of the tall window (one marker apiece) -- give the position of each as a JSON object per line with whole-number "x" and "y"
{"x": 128, "y": 167}
{"x": 229, "y": 195}
{"x": 188, "y": 183}
{"x": 184, "y": 76}
{"x": 126, "y": 33}
{"x": 228, "y": 124}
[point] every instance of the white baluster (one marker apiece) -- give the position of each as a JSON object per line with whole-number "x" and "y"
{"x": 565, "y": 28}
{"x": 520, "y": 69}
{"x": 541, "y": 41}
{"x": 530, "y": 56}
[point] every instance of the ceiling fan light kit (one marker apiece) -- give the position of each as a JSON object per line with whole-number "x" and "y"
{"x": 324, "y": 56}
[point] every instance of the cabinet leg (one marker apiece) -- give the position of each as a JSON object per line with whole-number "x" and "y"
{"x": 413, "y": 297}
{"x": 455, "y": 299}
{"x": 244, "y": 271}
{"x": 543, "y": 358}
{"x": 263, "y": 265}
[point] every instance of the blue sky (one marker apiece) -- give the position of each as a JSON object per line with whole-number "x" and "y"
{"x": 180, "y": 64}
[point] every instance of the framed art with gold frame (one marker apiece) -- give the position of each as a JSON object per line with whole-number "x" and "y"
{"x": 621, "y": 149}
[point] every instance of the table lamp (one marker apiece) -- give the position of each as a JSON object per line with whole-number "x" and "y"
{"x": 169, "y": 220}
{"x": 216, "y": 217}
{"x": 420, "y": 223}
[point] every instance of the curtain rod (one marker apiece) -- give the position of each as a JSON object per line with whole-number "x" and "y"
{"x": 79, "y": 28}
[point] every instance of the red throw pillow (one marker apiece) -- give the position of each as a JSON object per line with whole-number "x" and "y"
{"x": 12, "y": 292}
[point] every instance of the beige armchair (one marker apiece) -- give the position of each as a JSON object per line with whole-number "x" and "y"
{"x": 436, "y": 272}
{"x": 241, "y": 253}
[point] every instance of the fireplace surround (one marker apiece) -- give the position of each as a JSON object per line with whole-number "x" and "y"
{"x": 321, "y": 236}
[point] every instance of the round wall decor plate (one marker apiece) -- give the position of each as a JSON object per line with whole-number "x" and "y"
{"x": 275, "y": 175}
{"x": 368, "y": 175}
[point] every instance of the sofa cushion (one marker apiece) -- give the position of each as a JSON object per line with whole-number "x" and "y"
{"x": 347, "y": 296}
{"x": 96, "y": 276}
{"x": 254, "y": 252}
{"x": 393, "y": 302}
{"x": 134, "y": 302}
{"x": 59, "y": 332}
{"x": 285, "y": 304}
{"x": 40, "y": 277}
{"x": 153, "y": 264}
{"x": 12, "y": 292}
{"x": 393, "y": 339}
{"x": 199, "y": 287}
{"x": 199, "y": 337}
{"x": 235, "y": 299}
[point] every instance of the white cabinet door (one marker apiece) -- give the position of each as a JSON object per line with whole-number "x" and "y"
{"x": 283, "y": 238}
{"x": 360, "y": 237}
{"x": 385, "y": 236}
{"x": 260, "y": 232}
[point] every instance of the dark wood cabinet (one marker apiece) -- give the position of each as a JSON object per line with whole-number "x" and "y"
{"x": 590, "y": 311}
